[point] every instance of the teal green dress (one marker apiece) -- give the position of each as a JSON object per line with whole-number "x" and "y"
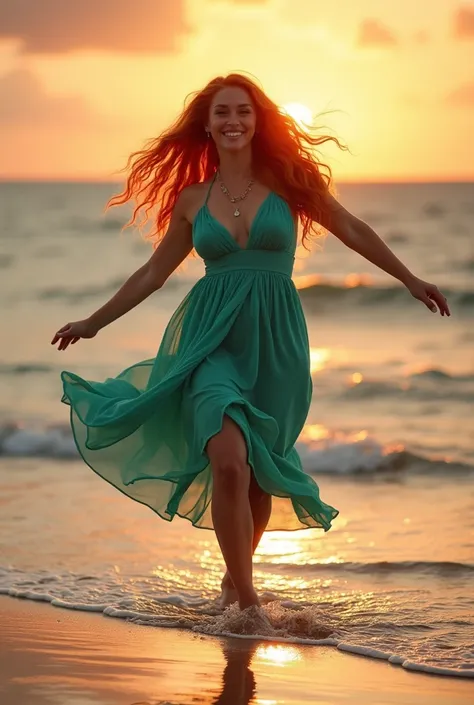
{"x": 237, "y": 345}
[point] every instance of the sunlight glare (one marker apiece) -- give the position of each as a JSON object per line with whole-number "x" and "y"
{"x": 278, "y": 655}
{"x": 300, "y": 113}
{"x": 315, "y": 432}
{"x": 318, "y": 358}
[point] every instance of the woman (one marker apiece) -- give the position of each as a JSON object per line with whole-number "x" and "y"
{"x": 206, "y": 430}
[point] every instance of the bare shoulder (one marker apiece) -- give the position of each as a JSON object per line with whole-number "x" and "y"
{"x": 191, "y": 199}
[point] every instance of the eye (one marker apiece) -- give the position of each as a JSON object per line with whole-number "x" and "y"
{"x": 242, "y": 112}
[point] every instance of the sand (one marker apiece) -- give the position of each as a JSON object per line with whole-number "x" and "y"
{"x": 51, "y": 655}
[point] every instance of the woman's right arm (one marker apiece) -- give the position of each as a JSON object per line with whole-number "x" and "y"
{"x": 173, "y": 249}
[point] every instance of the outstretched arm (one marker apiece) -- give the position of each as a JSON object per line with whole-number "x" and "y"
{"x": 361, "y": 238}
{"x": 173, "y": 249}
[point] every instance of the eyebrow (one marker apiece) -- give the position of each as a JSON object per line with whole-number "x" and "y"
{"x": 241, "y": 105}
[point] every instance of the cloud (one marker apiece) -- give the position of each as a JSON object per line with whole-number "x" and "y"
{"x": 25, "y": 103}
{"x": 373, "y": 33}
{"x": 464, "y": 23}
{"x": 462, "y": 96}
{"x": 57, "y": 27}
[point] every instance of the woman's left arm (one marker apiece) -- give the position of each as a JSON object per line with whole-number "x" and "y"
{"x": 360, "y": 237}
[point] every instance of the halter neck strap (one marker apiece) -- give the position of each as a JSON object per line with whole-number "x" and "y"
{"x": 210, "y": 186}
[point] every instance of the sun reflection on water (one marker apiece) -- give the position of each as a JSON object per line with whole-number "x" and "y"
{"x": 318, "y": 358}
{"x": 314, "y": 432}
{"x": 277, "y": 654}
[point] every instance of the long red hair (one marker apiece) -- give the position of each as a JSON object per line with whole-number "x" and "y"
{"x": 282, "y": 153}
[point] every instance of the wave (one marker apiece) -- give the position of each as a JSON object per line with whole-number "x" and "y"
{"x": 320, "y": 294}
{"x": 431, "y": 386}
{"x": 439, "y": 375}
{"x": 331, "y": 457}
{"x": 367, "y": 627}
{"x": 366, "y": 456}
{"x": 440, "y": 568}
{"x": 25, "y": 368}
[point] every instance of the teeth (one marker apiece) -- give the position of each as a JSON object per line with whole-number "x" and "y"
{"x": 233, "y": 134}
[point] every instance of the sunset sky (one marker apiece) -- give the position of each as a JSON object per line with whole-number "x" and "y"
{"x": 83, "y": 84}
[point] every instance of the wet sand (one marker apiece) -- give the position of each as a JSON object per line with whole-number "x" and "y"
{"x": 50, "y": 655}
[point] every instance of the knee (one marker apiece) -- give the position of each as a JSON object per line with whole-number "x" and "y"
{"x": 232, "y": 475}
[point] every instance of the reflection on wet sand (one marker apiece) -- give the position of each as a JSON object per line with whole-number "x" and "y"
{"x": 51, "y": 656}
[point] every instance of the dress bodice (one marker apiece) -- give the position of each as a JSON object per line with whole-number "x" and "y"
{"x": 272, "y": 230}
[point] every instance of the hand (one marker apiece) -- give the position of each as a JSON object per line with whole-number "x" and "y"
{"x": 72, "y": 332}
{"x": 428, "y": 293}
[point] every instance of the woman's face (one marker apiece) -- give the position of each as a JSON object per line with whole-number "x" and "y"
{"x": 231, "y": 111}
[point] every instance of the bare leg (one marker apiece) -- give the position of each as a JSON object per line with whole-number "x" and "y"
{"x": 261, "y": 506}
{"x": 231, "y": 512}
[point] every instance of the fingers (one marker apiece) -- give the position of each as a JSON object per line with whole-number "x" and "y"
{"x": 440, "y": 300}
{"x": 64, "y": 340}
{"x": 428, "y": 302}
{"x": 65, "y": 336}
{"x": 59, "y": 334}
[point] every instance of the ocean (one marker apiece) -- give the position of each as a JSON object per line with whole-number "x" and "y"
{"x": 389, "y": 437}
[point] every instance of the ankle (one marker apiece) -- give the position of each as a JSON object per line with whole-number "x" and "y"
{"x": 227, "y": 582}
{"x": 248, "y": 599}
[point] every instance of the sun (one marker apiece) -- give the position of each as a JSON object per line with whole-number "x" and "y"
{"x": 299, "y": 112}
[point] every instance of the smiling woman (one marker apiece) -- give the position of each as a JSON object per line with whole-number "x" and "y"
{"x": 206, "y": 430}
{"x": 187, "y": 153}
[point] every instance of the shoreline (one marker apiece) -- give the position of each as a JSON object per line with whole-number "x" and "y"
{"x": 47, "y": 652}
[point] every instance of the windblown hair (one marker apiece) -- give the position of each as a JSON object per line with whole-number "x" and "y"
{"x": 283, "y": 156}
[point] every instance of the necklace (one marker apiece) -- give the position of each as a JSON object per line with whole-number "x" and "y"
{"x": 234, "y": 199}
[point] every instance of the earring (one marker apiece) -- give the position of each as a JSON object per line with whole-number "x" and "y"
{"x": 208, "y": 134}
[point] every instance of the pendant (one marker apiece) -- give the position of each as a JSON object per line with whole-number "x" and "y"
{"x": 236, "y": 212}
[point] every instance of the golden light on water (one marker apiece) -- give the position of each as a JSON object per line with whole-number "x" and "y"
{"x": 315, "y": 432}
{"x": 277, "y": 654}
{"x": 277, "y": 546}
{"x": 356, "y": 378}
{"x": 352, "y": 280}
{"x": 318, "y": 358}
{"x": 359, "y": 436}
{"x": 303, "y": 281}
{"x": 318, "y": 432}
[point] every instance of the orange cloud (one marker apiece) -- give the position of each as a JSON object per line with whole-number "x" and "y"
{"x": 373, "y": 33}
{"x": 462, "y": 96}
{"x": 464, "y": 23}
{"x": 25, "y": 103}
{"x": 56, "y": 27}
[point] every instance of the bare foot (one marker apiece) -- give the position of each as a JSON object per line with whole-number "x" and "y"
{"x": 250, "y": 600}
{"x": 228, "y": 593}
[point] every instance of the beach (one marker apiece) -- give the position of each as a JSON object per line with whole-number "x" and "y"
{"x": 377, "y": 609}
{"x": 168, "y": 171}
{"x": 50, "y": 656}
